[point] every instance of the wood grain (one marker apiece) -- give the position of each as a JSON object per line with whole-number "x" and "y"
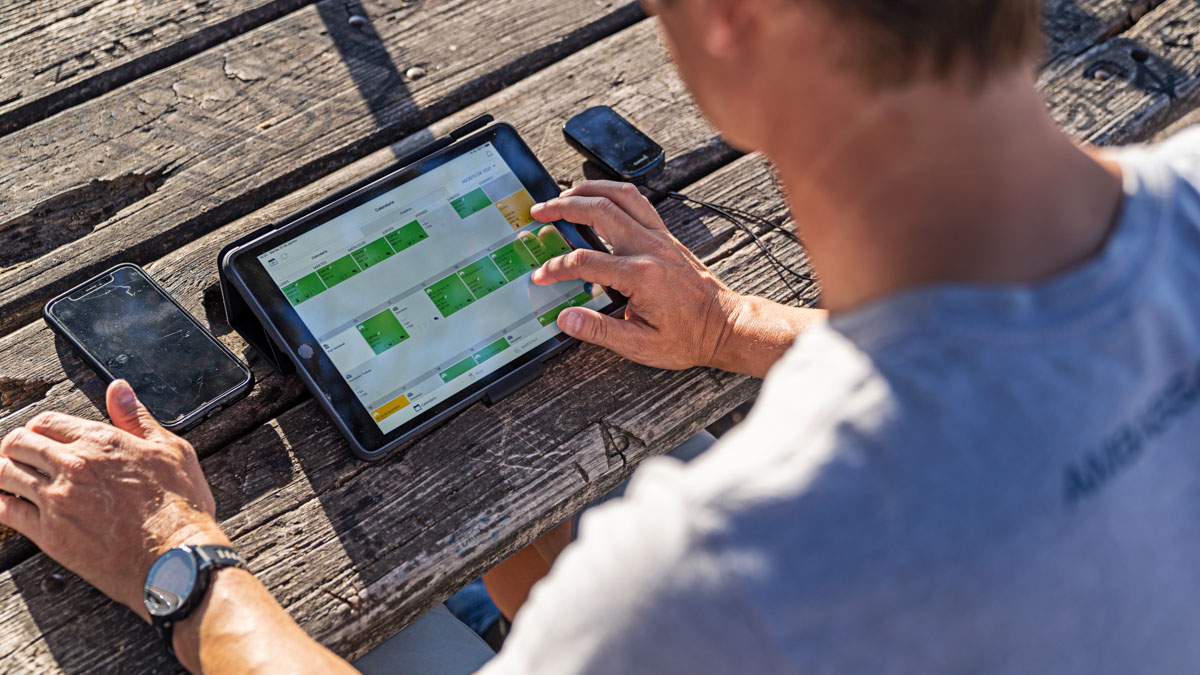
{"x": 175, "y": 154}
{"x": 39, "y": 372}
{"x": 1129, "y": 86}
{"x": 1188, "y": 121}
{"x": 1074, "y": 26}
{"x": 58, "y": 53}
{"x": 228, "y": 131}
{"x": 355, "y": 550}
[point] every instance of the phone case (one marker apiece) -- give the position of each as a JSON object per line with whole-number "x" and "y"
{"x": 192, "y": 419}
{"x": 638, "y": 176}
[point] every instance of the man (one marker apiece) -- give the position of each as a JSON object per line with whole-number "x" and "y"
{"x": 981, "y": 462}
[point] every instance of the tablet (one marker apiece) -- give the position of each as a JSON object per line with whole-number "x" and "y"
{"x": 411, "y": 298}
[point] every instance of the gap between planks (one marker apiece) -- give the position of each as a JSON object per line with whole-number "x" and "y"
{"x": 295, "y": 110}
{"x": 250, "y": 170}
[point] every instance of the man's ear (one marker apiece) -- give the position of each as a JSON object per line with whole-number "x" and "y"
{"x": 730, "y": 25}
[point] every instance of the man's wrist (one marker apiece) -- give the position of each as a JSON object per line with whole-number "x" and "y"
{"x": 757, "y": 333}
{"x": 189, "y": 526}
{"x": 201, "y": 531}
{"x": 185, "y": 635}
{"x": 730, "y": 308}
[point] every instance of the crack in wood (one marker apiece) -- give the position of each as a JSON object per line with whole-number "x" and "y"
{"x": 582, "y": 473}
{"x": 72, "y": 215}
{"x": 1126, "y": 87}
{"x": 1073, "y": 27}
{"x": 77, "y": 12}
{"x": 17, "y": 393}
{"x": 136, "y": 54}
{"x": 616, "y": 441}
{"x": 1132, "y": 17}
{"x": 354, "y": 606}
{"x": 719, "y": 378}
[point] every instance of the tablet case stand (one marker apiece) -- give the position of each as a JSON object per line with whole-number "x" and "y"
{"x": 242, "y": 319}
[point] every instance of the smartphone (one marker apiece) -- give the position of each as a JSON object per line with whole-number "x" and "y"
{"x": 125, "y": 326}
{"x": 612, "y": 142}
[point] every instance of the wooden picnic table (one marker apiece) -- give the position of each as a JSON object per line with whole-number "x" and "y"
{"x": 157, "y": 131}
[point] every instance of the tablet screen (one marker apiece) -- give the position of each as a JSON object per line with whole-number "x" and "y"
{"x": 425, "y": 289}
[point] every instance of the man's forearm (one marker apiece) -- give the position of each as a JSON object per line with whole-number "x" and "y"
{"x": 758, "y": 334}
{"x": 240, "y": 628}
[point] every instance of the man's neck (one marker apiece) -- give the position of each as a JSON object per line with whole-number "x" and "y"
{"x": 935, "y": 185}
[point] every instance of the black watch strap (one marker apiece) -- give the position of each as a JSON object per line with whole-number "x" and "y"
{"x": 209, "y": 558}
{"x": 218, "y": 556}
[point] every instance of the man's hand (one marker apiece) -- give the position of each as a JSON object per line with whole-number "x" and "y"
{"x": 106, "y": 501}
{"x": 679, "y": 314}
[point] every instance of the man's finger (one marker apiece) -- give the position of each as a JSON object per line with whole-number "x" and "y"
{"x": 608, "y": 219}
{"x": 594, "y": 266}
{"x": 622, "y": 337}
{"x": 128, "y": 414}
{"x": 33, "y": 449}
{"x": 624, "y": 195}
{"x": 21, "y": 480}
{"x": 20, "y": 515}
{"x": 62, "y": 428}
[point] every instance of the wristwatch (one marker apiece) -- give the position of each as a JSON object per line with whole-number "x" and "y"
{"x": 178, "y": 582}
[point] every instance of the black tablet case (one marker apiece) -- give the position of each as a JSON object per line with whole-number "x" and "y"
{"x": 237, "y": 311}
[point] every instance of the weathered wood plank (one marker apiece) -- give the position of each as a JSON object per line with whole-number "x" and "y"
{"x": 273, "y": 475}
{"x": 59, "y": 53}
{"x": 1189, "y": 120}
{"x": 30, "y": 372}
{"x": 1073, "y": 26}
{"x": 175, "y": 154}
{"x": 355, "y": 550}
{"x": 1126, "y": 88}
{"x": 152, "y": 165}
{"x": 37, "y": 372}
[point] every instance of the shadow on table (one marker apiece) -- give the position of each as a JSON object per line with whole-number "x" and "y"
{"x": 81, "y": 374}
{"x": 376, "y": 75}
{"x": 85, "y": 632}
{"x": 81, "y": 629}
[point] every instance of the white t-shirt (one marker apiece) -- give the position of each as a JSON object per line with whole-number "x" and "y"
{"x": 959, "y": 479}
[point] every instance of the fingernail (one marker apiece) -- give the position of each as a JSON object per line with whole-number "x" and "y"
{"x": 572, "y": 323}
{"x": 125, "y": 395}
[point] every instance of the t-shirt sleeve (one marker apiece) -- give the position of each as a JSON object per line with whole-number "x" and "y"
{"x": 641, "y": 591}
{"x": 1182, "y": 153}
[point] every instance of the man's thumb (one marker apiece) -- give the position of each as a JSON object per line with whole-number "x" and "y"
{"x": 127, "y": 412}
{"x": 599, "y": 329}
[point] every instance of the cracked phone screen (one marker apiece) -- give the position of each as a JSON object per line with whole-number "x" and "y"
{"x": 127, "y": 324}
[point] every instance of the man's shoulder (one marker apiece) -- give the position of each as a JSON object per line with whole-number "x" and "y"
{"x": 1183, "y": 146}
{"x": 1179, "y": 154}
{"x": 1165, "y": 176}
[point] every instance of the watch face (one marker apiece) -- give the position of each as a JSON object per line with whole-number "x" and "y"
{"x": 170, "y": 582}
